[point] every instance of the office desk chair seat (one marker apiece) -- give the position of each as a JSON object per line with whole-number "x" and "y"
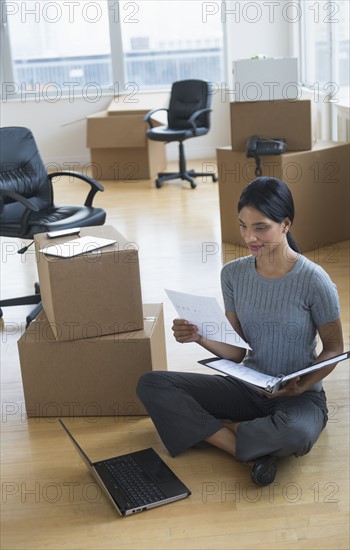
{"x": 26, "y": 199}
{"x": 48, "y": 219}
{"x": 188, "y": 117}
{"x": 164, "y": 133}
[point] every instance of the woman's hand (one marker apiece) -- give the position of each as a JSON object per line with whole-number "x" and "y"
{"x": 185, "y": 332}
{"x": 291, "y": 389}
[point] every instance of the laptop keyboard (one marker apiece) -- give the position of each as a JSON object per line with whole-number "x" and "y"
{"x": 125, "y": 473}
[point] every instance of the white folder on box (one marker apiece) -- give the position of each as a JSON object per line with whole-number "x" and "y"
{"x": 76, "y": 247}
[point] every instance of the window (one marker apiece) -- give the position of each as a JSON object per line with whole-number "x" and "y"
{"x": 59, "y": 44}
{"x": 170, "y": 41}
{"x": 68, "y": 45}
{"x": 325, "y": 47}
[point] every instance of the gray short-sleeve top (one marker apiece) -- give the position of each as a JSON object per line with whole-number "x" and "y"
{"x": 279, "y": 317}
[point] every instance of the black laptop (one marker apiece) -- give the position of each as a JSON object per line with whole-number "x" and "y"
{"x": 135, "y": 482}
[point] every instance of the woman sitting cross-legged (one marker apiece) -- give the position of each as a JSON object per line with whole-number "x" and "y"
{"x": 279, "y": 302}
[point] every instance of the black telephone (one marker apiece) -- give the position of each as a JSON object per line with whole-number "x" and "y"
{"x": 257, "y": 146}
{"x": 262, "y": 146}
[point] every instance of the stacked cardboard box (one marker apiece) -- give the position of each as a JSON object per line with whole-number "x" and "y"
{"x": 317, "y": 173}
{"x": 85, "y": 352}
{"x": 118, "y": 144}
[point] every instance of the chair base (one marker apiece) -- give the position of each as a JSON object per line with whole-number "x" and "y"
{"x": 33, "y": 314}
{"x": 183, "y": 173}
{"x": 188, "y": 175}
{"x": 23, "y": 301}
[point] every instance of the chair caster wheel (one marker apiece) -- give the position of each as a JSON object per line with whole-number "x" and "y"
{"x": 215, "y": 178}
{"x": 36, "y": 288}
{"x": 1, "y": 313}
{"x": 193, "y": 185}
{"x": 158, "y": 184}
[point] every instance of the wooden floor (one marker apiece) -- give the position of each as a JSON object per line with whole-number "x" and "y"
{"x": 49, "y": 500}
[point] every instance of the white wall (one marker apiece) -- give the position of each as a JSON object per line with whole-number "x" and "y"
{"x": 60, "y": 127}
{"x": 258, "y": 28}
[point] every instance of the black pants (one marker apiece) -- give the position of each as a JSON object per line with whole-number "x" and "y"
{"x": 186, "y": 408}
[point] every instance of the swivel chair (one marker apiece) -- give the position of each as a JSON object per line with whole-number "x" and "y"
{"x": 188, "y": 117}
{"x": 26, "y": 200}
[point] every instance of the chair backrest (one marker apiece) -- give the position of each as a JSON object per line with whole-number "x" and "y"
{"x": 188, "y": 96}
{"x": 21, "y": 167}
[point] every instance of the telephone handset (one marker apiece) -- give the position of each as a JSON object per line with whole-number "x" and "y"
{"x": 262, "y": 146}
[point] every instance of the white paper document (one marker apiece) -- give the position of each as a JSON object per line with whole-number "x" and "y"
{"x": 84, "y": 245}
{"x": 207, "y": 315}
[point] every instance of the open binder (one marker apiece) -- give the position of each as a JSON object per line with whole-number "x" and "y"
{"x": 261, "y": 381}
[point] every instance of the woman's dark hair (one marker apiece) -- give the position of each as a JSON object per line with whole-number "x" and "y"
{"x": 272, "y": 198}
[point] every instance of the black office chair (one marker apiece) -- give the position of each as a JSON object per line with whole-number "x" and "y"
{"x": 26, "y": 199}
{"x": 188, "y": 117}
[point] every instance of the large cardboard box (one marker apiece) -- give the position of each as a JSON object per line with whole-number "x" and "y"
{"x": 283, "y": 119}
{"x": 128, "y": 164}
{"x": 120, "y": 149}
{"x": 124, "y": 131}
{"x": 89, "y": 377}
{"x": 92, "y": 294}
{"x": 318, "y": 180}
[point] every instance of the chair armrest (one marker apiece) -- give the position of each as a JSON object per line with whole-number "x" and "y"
{"x": 149, "y": 115}
{"x": 95, "y": 185}
{"x": 16, "y": 197}
{"x": 195, "y": 115}
{"x": 29, "y": 207}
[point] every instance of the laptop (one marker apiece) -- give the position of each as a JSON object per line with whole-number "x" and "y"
{"x": 134, "y": 482}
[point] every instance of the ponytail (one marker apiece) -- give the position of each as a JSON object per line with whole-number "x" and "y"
{"x": 292, "y": 243}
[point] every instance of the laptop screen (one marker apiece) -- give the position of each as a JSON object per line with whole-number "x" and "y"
{"x": 84, "y": 456}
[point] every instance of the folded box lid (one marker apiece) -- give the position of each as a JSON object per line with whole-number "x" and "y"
{"x": 135, "y": 103}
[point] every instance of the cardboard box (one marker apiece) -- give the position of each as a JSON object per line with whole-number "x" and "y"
{"x": 266, "y": 79}
{"x": 89, "y": 377}
{"x": 120, "y": 149}
{"x": 133, "y": 164}
{"x": 92, "y": 294}
{"x": 318, "y": 180}
{"x": 288, "y": 120}
{"x": 110, "y": 132}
